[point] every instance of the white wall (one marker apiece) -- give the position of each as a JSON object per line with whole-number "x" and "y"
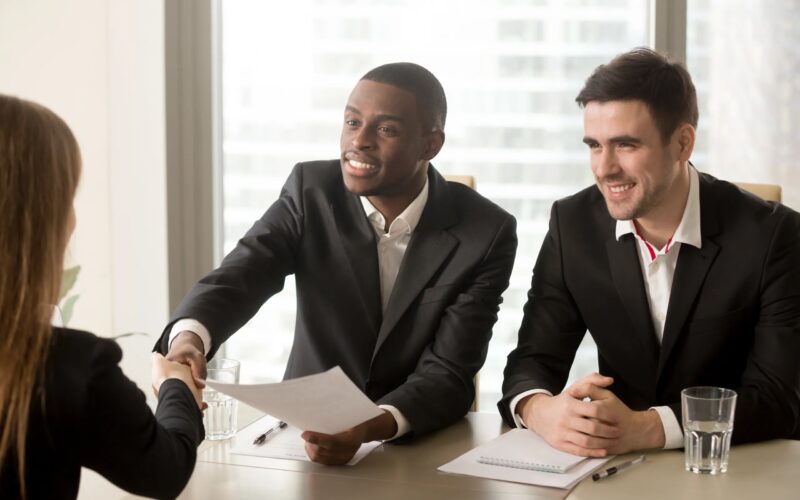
{"x": 99, "y": 64}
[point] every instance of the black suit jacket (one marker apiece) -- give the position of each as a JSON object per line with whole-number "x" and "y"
{"x": 87, "y": 413}
{"x": 422, "y": 354}
{"x": 733, "y": 318}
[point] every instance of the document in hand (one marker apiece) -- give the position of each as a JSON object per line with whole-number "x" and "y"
{"x": 327, "y": 402}
{"x": 522, "y": 456}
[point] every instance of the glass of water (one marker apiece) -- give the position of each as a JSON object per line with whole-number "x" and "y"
{"x": 219, "y": 418}
{"x": 707, "y": 427}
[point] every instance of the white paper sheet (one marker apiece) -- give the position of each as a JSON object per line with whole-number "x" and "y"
{"x": 327, "y": 402}
{"x": 467, "y": 464}
{"x": 286, "y": 443}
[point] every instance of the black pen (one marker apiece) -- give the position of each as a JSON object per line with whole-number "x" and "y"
{"x": 618, "y": 468}
{"x": 263, "y": 437}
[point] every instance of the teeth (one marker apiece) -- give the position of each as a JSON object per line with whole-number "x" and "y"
{"x": 619, "y": 189}
{"x": 361, "y": 166}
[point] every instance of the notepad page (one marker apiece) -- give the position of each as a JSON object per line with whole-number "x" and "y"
{"x": 524, "y": 449}
{"x": 468, "y": 464}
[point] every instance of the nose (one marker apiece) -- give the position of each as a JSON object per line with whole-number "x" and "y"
{"x": 362, "y": 139}
{"x": 604, "y": 163}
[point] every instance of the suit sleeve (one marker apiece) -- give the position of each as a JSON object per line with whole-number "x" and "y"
{"x": 441, "y": 390}
{"x": 768, "y": 400}
{"x": 225, "y": 299}
{"x": 139, "y": 452}
{"x": 551, "y": 331}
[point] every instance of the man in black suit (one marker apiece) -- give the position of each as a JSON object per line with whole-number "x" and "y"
{"x": 399, "y": 273}
{"x": 682, "y": 280}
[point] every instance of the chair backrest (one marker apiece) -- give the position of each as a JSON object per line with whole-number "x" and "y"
{"x": 468, "y": 181}
{"x": 769, "y": 192}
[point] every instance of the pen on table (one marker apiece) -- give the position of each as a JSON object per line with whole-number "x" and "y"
{"x": 263, "y": 437}
{"x": 618, "y": 468}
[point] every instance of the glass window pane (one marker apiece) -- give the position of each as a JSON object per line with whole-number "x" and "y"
{"x": 511, "y": 70}
{"x": 745, "y": 62}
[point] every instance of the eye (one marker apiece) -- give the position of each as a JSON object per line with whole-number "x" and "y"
{"x": 627, "y": 145}
{"x": 387, "y": 131}
{"x": 351, "y": 123}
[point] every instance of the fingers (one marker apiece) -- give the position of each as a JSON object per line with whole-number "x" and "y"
{"x": 329, "y": 449}
{"x": 591, "y": 380}
{"x": 586, "y": 390}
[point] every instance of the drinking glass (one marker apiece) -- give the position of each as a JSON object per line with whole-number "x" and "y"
{"x": 219, "y": 418}
{"x": 707, "y": 427}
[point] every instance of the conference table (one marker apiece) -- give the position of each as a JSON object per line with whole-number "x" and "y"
{"x": 408, "y": 471}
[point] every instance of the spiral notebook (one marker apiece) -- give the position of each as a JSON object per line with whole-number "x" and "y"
{"x": 523, "y": 449}
{"x": 522, "y": 456}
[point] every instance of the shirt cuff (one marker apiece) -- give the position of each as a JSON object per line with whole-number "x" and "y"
{"x": 519, "y": 397}
{"x": 193, "y": 326}
{"x": 403, "y": 427}
{"x": 673, "y": 435}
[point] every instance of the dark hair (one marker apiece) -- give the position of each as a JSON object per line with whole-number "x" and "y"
{"x": 431, "y": 102}
{"x": 644, "y": 75}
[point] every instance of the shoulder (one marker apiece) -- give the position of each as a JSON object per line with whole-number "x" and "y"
{"x": 474, "y": 206}
{"x": 586, "y": 208}
{"x": 741, "y": 210}
{"x": 76, "y": 357}
{"x": 319, "y": 174}
{"x": 82, "y": 348}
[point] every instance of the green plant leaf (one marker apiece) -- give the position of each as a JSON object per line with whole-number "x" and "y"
{"x": 128, "y": 334}
{"x": 67, "y": 309}
{"x": 68, "y": 280}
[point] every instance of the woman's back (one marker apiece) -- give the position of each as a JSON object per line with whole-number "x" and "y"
{"x": 94, "y": 416}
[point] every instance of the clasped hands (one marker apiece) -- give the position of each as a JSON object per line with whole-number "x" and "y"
{"x": 589, "y": 420}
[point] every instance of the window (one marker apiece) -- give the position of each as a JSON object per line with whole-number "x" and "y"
{"x": 511, "y": 70}
{"x": 744, "y": 60}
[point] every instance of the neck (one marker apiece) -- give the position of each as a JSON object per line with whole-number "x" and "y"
{"x": 390, "y": 206}
{"x": 660, "y": 224}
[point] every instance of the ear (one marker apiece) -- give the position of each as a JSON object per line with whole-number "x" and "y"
{"x": 432, "y": 143}
{"x": 684, "y": 137}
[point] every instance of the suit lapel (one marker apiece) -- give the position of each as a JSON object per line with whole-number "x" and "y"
{"x": 623, "y": 259}
{"x": 690, "y": 273}
{"x": 358, "y": 241}
{"x": 429, "y": 247}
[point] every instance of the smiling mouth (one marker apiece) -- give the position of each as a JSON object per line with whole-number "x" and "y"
{"x": 361, "y": 165}
{"x": 620, "y": 189}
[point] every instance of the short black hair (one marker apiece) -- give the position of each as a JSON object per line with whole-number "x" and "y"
{"x": 431, "y": 102}
{"x": 645, "y": 75}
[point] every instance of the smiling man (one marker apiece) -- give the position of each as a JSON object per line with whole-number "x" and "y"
{"x": 399, "y": 273}
{"x": 682, "y": 280}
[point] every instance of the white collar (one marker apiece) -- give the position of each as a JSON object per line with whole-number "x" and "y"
{"x": 407, "y": 220}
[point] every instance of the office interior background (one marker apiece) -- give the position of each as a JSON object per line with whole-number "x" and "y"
{"x": 190, "y": 115}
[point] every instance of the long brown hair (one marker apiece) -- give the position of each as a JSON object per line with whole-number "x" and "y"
{"x": 39, "y": 170}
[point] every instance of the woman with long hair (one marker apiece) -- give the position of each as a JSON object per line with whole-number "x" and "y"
{"x": 64, "y": 402}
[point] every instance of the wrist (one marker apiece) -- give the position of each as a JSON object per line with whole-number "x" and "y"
{"x": 188, "y": 337}
{"x": 651, "y": 430}
{"x": 526, "y": 408}
{"x": 380, "y": 428}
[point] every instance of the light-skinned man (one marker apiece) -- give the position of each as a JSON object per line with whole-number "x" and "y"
{"x": 682, "y": 280}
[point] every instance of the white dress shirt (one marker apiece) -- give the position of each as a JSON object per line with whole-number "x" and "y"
{"x": 392, "y": 246}
{"x": 658, "y": 269}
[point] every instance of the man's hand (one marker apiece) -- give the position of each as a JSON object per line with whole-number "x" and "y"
{"x": 187, "y": 348}
{"x": 639, "y": 430}
{"x": 570, "y": 424}
{"x": 162, "y": 369}
{"x": 338, "y": 449}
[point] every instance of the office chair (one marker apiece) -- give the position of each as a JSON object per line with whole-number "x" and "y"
{"x": 768, "y": 192}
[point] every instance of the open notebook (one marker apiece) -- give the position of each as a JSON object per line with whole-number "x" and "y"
{"x": 522, "y": 456}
